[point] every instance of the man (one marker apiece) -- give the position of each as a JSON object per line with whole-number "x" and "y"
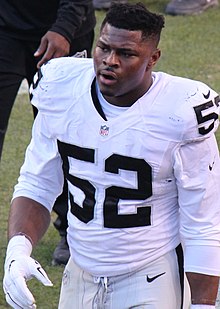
{"x": 189, "y": 7}
{"x": 139, "y": 153}
{"x": 31, "y": 33}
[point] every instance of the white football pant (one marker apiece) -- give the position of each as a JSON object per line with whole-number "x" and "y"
{"x": 157, "y": 286}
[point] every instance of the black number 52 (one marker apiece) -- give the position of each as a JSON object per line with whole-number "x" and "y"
{"x": 112, "y": 218}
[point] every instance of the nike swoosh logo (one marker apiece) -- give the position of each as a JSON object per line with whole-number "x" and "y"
{"x": 206, "y": 96}
{"x": 39, "y": 270}
{"x": 211, "y": 166}
{"x": 151, "y": 279}
{"x": 12, "y": 261}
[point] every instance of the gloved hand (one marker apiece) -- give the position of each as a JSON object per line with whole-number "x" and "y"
{"x": 20, "y": 267}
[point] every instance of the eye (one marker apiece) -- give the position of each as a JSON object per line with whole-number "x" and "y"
{"x": 103, "y": 48}
{"x": 126, "y": 54}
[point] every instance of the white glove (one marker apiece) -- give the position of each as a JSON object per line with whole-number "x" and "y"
{"x": 202, "y": 307}
{"x": 20, "y": 267}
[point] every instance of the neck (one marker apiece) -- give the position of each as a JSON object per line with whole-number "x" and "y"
{"x": 129, "y": 98}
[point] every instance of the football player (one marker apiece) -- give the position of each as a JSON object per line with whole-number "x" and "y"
{"x": 138, "y": 150}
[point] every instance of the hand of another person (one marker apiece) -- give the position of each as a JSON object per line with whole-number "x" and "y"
{"x": 19, "y": 268}
{"x": 53, "y": 45}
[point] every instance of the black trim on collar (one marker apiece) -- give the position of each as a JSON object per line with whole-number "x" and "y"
{"x": 96, "y": 100}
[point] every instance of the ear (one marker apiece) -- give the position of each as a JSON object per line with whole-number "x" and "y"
{"x": 154, "y": 58}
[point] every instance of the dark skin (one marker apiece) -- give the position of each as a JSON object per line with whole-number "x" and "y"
{"x": 123, "y": 62}
{"x": 204, "y": 288}
{"x": 52, "y": 45}
{"x": 34, "y": 223}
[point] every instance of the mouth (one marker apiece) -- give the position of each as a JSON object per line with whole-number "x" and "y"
{"x": 108, "y": 78}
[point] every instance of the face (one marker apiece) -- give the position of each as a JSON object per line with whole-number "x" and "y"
{"x": 123, "y": 64}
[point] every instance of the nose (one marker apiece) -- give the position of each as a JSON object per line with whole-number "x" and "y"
{"x": 111, "y": 59}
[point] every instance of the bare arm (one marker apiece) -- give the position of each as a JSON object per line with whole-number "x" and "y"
{"x": 204, "y": 288}
{"x": 29, "y": 217}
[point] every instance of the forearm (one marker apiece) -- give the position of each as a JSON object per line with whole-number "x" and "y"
{"x": 204, "y": 288}
{"x": 29, "y": 217}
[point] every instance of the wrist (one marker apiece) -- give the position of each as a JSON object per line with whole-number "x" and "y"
{"x": 18, "y": 245}
{"x": 202, "y": 306}
{"x": 23, "y": 234}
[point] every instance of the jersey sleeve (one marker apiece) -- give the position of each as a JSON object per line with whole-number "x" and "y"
{"x": 197, "y": 172}
{"x": 48, "y": 86}
{"x": 201, "y": 112}
{"x": 41, "y": 175}
{"x": 58, "y": 84}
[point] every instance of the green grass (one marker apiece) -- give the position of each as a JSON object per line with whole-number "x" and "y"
{"x": 190, "y": 48}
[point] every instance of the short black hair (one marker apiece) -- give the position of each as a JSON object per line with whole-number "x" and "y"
{"x": 135, "y": 17}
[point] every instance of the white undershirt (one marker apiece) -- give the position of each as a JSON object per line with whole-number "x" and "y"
{"x": 110, "y": 110}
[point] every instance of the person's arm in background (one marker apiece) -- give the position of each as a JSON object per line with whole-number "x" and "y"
{"x": 56, "y": 42}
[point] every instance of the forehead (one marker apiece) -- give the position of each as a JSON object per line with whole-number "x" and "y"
{"x": 111, "y": 36}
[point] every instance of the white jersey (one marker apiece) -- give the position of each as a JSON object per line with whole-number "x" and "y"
{"x": 135, "y": 180}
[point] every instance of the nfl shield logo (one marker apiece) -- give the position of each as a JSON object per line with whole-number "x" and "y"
{"x": 104, "y": 130}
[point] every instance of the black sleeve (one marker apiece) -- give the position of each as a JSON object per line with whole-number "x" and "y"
{"x": 70, "y": 17}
